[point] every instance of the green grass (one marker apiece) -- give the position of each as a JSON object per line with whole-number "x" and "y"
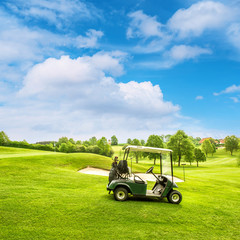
{"x": 42, "y": 196}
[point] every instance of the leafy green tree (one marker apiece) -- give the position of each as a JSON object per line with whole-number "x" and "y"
{"x": 213, "y": 149}
{"x": 105, "y": 148}
{"x": 93, "y": 141}
{"x": 142, "y": 142}
{"x": 82, "y": 148}
{"x": 129, "y": 141}
{"x": 61, "y": 140}
{"x": 167, "y": 137}
{"x": 136, "y": 142}
{"x": 154, "y": 141}
{"x": 71, "y": 147}
{"x": 72, "y": 141}
{"x": 189, "y": 157}
{"x": 63, "y": 148}
{"x": 114, "y": 140}
{"x": 4, "y": 140}
{"x": 195, "y": 141}
{"x": 162, "y": 137}
{"x": 86, "y": 143}
{"x": 212, "y": 141}
{"x": 231, "y": 143}
{"x": 199, "y": 155}
{"x": 93, "y": 149}
{"x": 181, "y": 145}
{"x": 207, "y": 147}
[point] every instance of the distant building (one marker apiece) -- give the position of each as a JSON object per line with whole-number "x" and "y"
{"x": 221, "y": 141}
{"x": 203, "y": 139}
{"x": 217, "y": 141}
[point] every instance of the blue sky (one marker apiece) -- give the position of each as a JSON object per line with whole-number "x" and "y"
{"x": 131, "y": 68}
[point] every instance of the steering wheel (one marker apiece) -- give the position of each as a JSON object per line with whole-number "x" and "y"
{"x": 150, "y": 170}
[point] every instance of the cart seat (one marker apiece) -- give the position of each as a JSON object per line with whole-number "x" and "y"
{"x": 139, "y": 180}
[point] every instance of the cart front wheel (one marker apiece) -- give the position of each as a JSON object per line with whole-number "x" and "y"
{"x": 121, "y": 194}
{"x": 174, "y": 197}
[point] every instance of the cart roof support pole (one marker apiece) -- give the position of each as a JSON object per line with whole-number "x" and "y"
{"x": 126, "y": 154}
{"x": 171, "y": 165}
{"x": 161, "y": 163}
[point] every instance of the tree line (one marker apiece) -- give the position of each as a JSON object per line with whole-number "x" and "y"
{"x": 185, "y": 148}
{"x": 65, "y": 145}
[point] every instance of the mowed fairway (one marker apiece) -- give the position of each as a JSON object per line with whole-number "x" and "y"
{"x": 42, "y": 196}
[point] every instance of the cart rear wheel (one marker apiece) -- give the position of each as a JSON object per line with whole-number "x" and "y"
{"x": 174, "y": 197}
{"x": 121, "y": 194}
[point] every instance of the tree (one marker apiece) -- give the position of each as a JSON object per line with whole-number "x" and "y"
{"x": 154, "y": 141}
{"x": 136, "y": 142}
{"x": 93, "y": 141}
{"x": 63, "y": 148}
{"x": 105, "y": 148}
{"x": 72, "y": 141}
{"x": 195, "y": 141}
{"x": 213, "y": 149}
{"x": 162, "y": 137}
{"x": 62, "y": 140}
{"x": 4, "y": 140}
{"x": 86, "y": 143}
{"x": 231, "y": 143}
{"x": 129, "y": 141}
{"x": 114, "y": 140}
{"x": 207, "y": 147}
{"x": 71, "y": 147}
{"x": 199, "y": 155}
{"x": 142, "y": 142}
{"x": 167, "y": 137}
{"x": 189, "y": 157}
{"x": 181, "y": 145}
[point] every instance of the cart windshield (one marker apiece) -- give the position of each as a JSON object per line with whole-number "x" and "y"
{"x": 166, "y": 165}
{"x": 164, "y": 157}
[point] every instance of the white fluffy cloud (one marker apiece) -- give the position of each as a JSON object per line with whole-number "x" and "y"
{"x": 235, "y": 99}
{"x": 233, "y": 34}
{"x": 232, "y": 89}
{"x": 176, "y": 55}
{"x": 183, "y": 52}
{"x": 185, "y": 24}
{"x": 59, "y": 12}
{"x": 89, "y": 80}
{"x": 90, "y": 41}
{"x": 82, "y": 94}
{"x": 21, "y": 46}
{"x": 201, "y": 16}
{"x": 142, "y": 25}
{"x": 199, "y": 98}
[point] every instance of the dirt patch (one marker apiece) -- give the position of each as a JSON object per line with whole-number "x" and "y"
{"x": 101, "y": 172}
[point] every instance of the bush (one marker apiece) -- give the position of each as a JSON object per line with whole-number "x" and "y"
{"x": 93, "y": 149}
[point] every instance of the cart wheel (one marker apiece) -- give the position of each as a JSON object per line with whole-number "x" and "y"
{"x": 121, "y": 194}
{"x": 174, "y": 197}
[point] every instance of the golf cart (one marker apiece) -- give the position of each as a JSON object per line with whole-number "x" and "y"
{"x": 123, "y": 183}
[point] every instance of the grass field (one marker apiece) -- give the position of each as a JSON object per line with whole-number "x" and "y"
{"x": 42, "y": 196}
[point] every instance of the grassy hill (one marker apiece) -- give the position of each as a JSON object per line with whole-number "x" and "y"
{"x": 42, "y": 196}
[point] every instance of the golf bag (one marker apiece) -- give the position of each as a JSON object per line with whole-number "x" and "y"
{"x": 123, "y": 167}
{"x": 119, "y": 170}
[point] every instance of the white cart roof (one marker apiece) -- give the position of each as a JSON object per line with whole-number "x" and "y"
{"x": 147, "y": 149}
